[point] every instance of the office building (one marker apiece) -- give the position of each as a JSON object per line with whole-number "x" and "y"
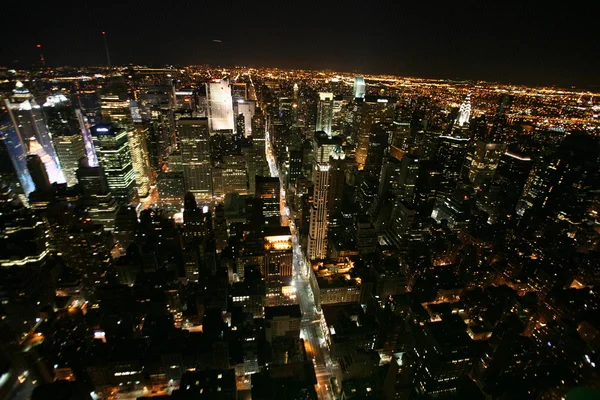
{"x": 28, "y": 120}
{"x": 482, "y": 163}
{"x": 220, "y": 106}
{"x": 13, "y": 160}
{"x": 114, "y": 155}
{"x": 247, "y": 108}
{"x": 372, "y": 110}
{"x": 360, "y": 88}
{"x": 324, "y": 147}
{"x": 194, "y": 142}
{"x": 268, "y": 194}
{"x": 325, "y": 112}
{"x": 140, "y": 158}
{"x": 70, "y": 147}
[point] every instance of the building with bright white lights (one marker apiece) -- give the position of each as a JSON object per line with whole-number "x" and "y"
{"x": 114, "y": 155}
{"x": 359, "y": 88}
{"x": 220, "y": 106}
{"x": 325, "y": 112}
{"x": 28, "y": 120}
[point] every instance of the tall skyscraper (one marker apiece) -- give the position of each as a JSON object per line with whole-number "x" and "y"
{"x": 13, "y": 160}
{"x": 373, "y": 110}
{"x": 114, "y": 155}
{"x": 317, "y": 236}
{"x": 325, "y": 147}
{"x": 194, "y": 143}
{"x": 268, "y": 193}
{"x": 70, "y": 148}
{"x": 38, "y": 173}
{"x": 483, "y": 161}
{"x": 451, "y": 154}
{"x": 140, "y": 158}
{"x": 28, "y": 120}
{"x": 64, "y": 125}
{"x": 325, "y": 112}
{"x": 379, "y": 147}
{"x": 247, "y": 108}
{"x": 360, "y": 88}
{"x": 220, "y": 106}
{"x": 464, "y": 112}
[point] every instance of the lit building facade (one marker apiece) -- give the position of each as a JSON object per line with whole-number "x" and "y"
{"x": 247, "y": 108}
{"x": 360, "y": 88}
{"x": 373, "y": 110}
{"x": 69, "y": 148}
{"x": 114, "y": 155}
{"x": 194, "y": 143}
{"x": 325, "y": 112}
{"x": 28, "y": 120}
{"x": 140, "y": 158}
{"x": 13, "y": 160}
{"x": 220, "y": 106}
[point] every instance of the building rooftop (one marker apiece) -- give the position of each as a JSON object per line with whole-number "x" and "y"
{"x": 292, "y": 311}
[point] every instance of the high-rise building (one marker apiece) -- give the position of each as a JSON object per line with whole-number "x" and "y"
{"x": 278, "y": 261}
{"x": 483, "y": 162}
{"x": 230, "y": 177}
{"x": 360, "y": 88}
{"x": 64, "y": 125}
{"x": 114, "y": 155}
{"x": 324, "y": 147}
{"x": 464, "y": 112}
{"x": 24, "y": 234}
{"x": 372, "y": 110}
{"x": 140, "y": 158}
{"x": 325, "y": 112}
{"x": 38, "y": 173}
{"x": 28, "y": 120}
{"x": 220, "y": 106}
{"x": 268, "y": 193}
{"x": 317, "y": 236}
{"x": 194, "y": 142}
{"x": 70, "y": 147}
{"x": 451, "y": 155}
{"x": 247, "y": 108}
{"x": 13, "y": 160}
{"x": 379, "y": 146}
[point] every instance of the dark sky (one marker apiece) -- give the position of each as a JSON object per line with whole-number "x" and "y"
{"x": 527, "y": 41}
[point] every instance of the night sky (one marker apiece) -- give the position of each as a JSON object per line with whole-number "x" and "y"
{"x": 527, "y": 41}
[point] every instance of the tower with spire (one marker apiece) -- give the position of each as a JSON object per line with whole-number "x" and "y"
{"x": 464, "y": 112}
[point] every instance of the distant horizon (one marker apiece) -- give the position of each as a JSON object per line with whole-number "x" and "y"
{"x": 457, "y": 80}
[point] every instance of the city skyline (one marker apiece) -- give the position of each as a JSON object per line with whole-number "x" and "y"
{"x": 509, "y": 43}
{"x": 198, "y": 231}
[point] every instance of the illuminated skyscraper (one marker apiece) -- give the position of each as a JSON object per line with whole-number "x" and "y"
{"x": 464, "y": 112}
{"x": 324, "y": 148}
{"x": 325, "y": 112}
{"x": 114, "y": 155}
{"x": 247, "y": 108}
{"x": 194, "y": 143}
{"x": 13, "y": 160}
{"x": 483, "y": 162}
{"x": 372, "y": 110}
{"x": 69, "y": 148}
{"x": 220, "y": 106}
{"x": 360, "y": 87}
{"x": 140, "y": 158}
{"x": 28, "y": 120}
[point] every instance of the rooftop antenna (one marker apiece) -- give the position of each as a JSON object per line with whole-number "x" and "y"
{"x": 42, "y": 59}
{"x": 106, "y": 48}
